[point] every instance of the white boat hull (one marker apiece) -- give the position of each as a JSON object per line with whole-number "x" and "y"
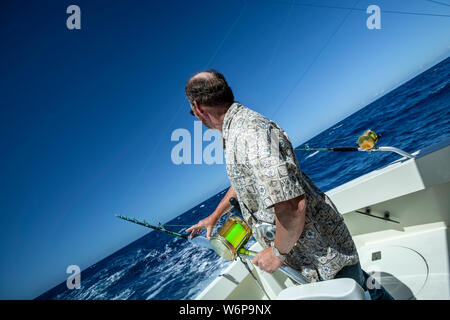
{"x": 409, "y": 258}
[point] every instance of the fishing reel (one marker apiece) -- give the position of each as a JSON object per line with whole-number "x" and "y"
{"x": 263, "y": 230}
{"x": 230, "y": 239}
{"x": 368, "y": 140}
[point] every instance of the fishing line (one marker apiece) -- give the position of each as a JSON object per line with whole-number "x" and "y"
{"x": 364, "y": 10}
{"x": 314, "y": 60}
{"x": 254, "y": 277}
{"x": 277, "y": 45}
{"x": 182, "y": 104}
{"x": 226, "y": 35}
{"x": 438, "y": 2}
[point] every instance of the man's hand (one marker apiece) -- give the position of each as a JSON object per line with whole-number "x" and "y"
{"x": 267, "y": 260}
{"x": 208, "y": 223}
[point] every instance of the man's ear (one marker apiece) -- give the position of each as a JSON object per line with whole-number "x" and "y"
{"x": 199, "y": 108}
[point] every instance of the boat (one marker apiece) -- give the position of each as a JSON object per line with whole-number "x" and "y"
{"x": 398, "y": 216}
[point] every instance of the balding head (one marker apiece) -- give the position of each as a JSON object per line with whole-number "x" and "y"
{"x": 209, "y": 88}
{"x": 203, "y": 75}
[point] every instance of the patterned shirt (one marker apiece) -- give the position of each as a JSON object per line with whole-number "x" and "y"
{"x": 263, "y": 170}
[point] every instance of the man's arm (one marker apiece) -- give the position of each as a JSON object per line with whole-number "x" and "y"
{"x": 210, "y": 221}
{"x": 290, "y": 221}
{"x": 224, "y": 204}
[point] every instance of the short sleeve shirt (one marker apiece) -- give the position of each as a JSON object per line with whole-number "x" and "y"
{"x": 263, "y": 170}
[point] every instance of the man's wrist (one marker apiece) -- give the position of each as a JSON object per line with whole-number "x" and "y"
{"x": 279, "y": 254}
{"x": 217, "y": 214}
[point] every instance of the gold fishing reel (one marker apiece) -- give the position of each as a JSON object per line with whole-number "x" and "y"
{"x": 231, "y": 237}
{"x": 368, "y": 140}
{"x": 229, "y": 243}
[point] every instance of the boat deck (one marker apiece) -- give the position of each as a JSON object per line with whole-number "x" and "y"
{"x": 409, "y": 263}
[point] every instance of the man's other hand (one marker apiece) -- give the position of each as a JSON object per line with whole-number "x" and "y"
{"x": 208, "y": 223}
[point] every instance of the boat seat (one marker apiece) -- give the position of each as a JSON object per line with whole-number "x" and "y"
{"x": 336, "y": 289}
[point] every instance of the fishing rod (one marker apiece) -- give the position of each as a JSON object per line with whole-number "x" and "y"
{"x": 148, "y": 225}
{"x": 366, "y": 143}
{"x": 228, "y": 242}
{"x": 204, "y": 242}
{"x": 199, "y": 240}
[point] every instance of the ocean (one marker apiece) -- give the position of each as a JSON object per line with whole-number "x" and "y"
{"x": 161, "y": 267}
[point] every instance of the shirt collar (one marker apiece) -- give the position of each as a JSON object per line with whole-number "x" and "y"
{"x": 231, "y": 112}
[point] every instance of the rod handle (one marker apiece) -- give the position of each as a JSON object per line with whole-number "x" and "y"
{"x": 248, "y": 253}
{"x": 345, "y": 149}
{"x": 236, "y": 206}
{"x": 292, "y": 273}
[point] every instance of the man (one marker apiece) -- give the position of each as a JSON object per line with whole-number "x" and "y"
{"x": 265, "y": 177}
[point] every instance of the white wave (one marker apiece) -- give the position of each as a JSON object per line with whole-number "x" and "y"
{"x": 158, "y": 284}
{"x": 151, "y": 254}
{"x": 167, "y": 249}
{"x": 332, "y": 129}
{"x": 439, "y": 88}
{"x": 202, "y": 206}
{"x": 203, "y": 266}
{"x": 124, "y": 295}
{"x": 113, "y": 278}
{"x": 161, "y": 284}
{"x": 161, "y": 288}
{"x": 184, "y": 264}
{"x": 93, "y": 292}
{"x": 154, "y": 293}
{"x": 312, "y": 155}
{"x": 99, "y": 289}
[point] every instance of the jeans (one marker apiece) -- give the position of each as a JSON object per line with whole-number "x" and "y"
{"x": 356, "y": 273}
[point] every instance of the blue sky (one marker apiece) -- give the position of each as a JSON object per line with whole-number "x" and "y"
{"x": 87, "y": 115}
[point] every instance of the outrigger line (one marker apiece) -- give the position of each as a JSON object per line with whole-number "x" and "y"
{"x": 344, "y": 149}
{"x": 352, "y": 149}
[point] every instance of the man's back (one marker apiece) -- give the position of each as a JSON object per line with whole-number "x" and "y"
{"x": 263, "y": 170}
